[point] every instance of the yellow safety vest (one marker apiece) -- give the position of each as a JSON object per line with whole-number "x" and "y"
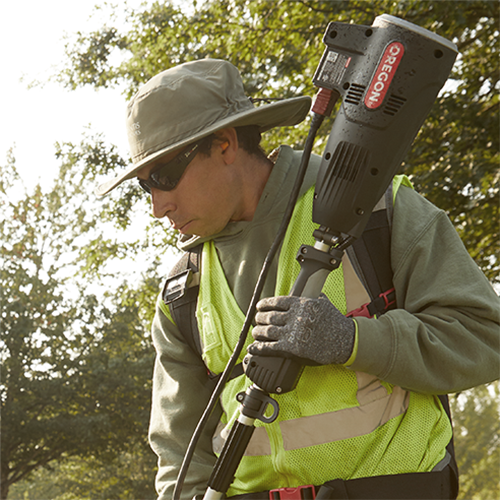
{"x": 337, "y": 423}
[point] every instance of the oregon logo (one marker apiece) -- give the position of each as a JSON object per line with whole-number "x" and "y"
{"x": 384, "y": 74}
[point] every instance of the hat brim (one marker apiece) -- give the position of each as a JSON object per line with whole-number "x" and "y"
{"x": 278, "y": 114}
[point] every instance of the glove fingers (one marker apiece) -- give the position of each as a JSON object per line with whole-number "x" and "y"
{"x": 312, "y": 330}
{"x": 275, "y": 349}
{"x": 277, "y": 318}
{"x": 266, "y": 349}
{"x": 275, "y": 304}
{"x": 266, "y": 333}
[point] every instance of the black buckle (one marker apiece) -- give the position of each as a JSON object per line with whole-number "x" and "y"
{"x": 176, "y": 286}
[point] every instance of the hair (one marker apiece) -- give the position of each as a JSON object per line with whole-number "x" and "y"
{"x": 249, "y": 138}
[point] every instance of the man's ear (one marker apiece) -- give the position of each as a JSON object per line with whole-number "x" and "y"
{"x": 228, "y": 144}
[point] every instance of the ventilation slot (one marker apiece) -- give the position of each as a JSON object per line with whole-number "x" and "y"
{"x": 355, "y": 94}
{"x": 347, "y": 161}
{"x": 393, "y": 104}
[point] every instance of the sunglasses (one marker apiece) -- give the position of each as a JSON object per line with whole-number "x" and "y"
{"x": 166, "y": 176}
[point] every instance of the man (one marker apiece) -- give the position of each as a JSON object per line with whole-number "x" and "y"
{"x": 366, "y": 404}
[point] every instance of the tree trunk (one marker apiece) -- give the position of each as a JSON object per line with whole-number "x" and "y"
{"x": 4, "y": 488}
{"x": 4, "y": 480}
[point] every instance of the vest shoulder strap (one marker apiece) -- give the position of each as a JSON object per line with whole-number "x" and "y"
{"x": 180, "y": 294}
{"x": 370, "y": 256}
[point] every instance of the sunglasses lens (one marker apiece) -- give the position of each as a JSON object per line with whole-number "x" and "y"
{"x": 144, "y": 185}
{"x": 165, "y": 177}
{"x": 158, "y": 180}
{"x": 166, "y": 181}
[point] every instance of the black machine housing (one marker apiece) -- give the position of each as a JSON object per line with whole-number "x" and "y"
{"x": 388, "y": 75}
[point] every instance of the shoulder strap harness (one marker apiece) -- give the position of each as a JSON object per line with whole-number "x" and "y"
{"x": 180, "y": 294}
{"x": 370, "y": 256}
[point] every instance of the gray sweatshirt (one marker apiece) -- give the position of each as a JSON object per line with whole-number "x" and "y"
{"x": 443, "y": 338}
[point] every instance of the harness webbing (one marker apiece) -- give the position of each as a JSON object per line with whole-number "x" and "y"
{"x": 370, "y": 256}
{"x": 182, "y": 299}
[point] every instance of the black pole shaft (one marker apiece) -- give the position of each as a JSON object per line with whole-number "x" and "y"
{"x": 230, "y": 457}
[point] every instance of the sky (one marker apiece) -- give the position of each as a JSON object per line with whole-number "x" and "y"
{"x": 32, "y": 41}
{"x": 33, "y": 119}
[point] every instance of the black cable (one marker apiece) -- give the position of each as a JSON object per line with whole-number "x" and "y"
{"x": 316, "y": 122}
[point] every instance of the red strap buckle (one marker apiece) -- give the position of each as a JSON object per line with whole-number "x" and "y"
{"x": 299, "y": 493}
{"x": 385, "y": 296}
{"x": 360, "y": 311}
{"x": 363, "y": 310}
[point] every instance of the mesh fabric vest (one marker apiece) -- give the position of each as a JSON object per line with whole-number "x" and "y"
{"x": 337, "y": 423}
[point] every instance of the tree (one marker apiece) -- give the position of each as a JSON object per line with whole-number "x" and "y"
{"x": 76, "y": 363}
{"x": 127, "y": 476}
{"x": 476, "y": 417}
{"x": 277, "y": 46}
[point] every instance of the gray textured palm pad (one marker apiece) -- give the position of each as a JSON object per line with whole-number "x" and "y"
{"x": 313, "y": 330}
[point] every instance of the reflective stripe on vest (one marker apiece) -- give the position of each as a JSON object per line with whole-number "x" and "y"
{"x": 376, "y": 408}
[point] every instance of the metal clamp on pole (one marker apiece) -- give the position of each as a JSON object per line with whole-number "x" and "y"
{"x": 316, "y": 264}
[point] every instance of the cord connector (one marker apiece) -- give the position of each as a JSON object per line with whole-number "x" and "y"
{"x": 325, "y": 101}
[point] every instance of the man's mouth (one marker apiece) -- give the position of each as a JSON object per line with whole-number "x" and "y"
{"x": 181, "y": 227}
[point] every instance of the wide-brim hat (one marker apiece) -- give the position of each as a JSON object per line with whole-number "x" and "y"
{"x": 189, "y": 102}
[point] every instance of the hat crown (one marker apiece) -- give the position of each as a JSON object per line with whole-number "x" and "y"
{"x": 182, "y": 102}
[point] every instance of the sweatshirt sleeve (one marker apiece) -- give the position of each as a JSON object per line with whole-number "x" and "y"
{"x": 445, "y": 335}
{"x": 181, "y": 391}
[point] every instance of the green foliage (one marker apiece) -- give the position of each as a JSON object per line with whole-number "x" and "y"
{"x": 83, "y": 166}
{"x": 129, "y": 476}
{"x": 476, "y": 419}
{"x": 277, "y": 45}
{"x": 126, "y": 477}
{"x": 76, "y": 356}
{"x": 76, "y": 365}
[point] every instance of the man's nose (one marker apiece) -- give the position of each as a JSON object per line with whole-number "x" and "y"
{"x": 162, "y": 203}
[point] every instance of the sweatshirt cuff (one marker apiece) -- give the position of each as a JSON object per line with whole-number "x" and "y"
{"x": 352, "y": 358}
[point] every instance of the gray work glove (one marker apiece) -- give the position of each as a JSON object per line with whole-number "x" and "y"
{"x": 313, "y": 331}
